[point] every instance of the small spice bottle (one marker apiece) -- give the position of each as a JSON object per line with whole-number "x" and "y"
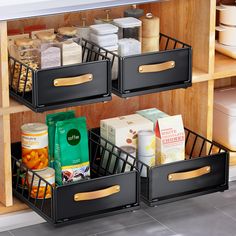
{"x": 34, "y": 141}
{"x": 83, "y": 31}
{"x": 70, "y": 45}
{"x": 105, "y": 20}
{"x": 49, "y": 49}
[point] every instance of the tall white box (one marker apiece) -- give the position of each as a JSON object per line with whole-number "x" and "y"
{"x": 224, "y": 117}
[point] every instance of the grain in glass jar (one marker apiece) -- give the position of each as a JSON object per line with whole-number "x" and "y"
{"x": 50, "y": 52}
{"x": 70, "y": 45}
{"x": 37, "y": 185}
{"x": 25, "y": 52}
{"x": 34, "y": 141}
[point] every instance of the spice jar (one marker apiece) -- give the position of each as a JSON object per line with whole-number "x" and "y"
{"x": 25, "y": 52}
{"x": 37, "y": 185}
{"x": 34, "y": 141}
{"x": 83, "y": 31}
{"x": 70, "y": 45}
{"x": 105, "y": 20}
{"x": 130, "y": 27}
{"x": 134, "y": 12}
{"x": 49, "y": 49}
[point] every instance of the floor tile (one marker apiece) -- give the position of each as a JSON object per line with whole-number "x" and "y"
{"x": 219, "y": 198}
{"x": 147, "y": 229}
{"x": 19, "y": 219}
{"x": 191, "y": 218}
{"x": 6, "y": 233}
{"x": 110, "y": 223}
{"x": 229, "y": 210}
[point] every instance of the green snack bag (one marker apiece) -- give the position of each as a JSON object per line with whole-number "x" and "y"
{"x": 51, "y": 121}
{"x": 71, "y": 151}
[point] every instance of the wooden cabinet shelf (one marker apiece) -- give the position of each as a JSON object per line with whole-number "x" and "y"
{"x": 199, "y": 76}
{"x": 14, "y": 107}
{"x": 224, "y": 66}
{"x": 17, "y": 206}
{"x": 179, "y": 18}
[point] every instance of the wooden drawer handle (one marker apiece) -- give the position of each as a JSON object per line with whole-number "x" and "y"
{"x": 189, "y": 174}
{"x": 73, "y": 80}
{"x": 97, "y": 194}
{"x": 156, "y": 67}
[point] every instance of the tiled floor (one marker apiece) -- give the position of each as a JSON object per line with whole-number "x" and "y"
{"x": 209, "y": 215}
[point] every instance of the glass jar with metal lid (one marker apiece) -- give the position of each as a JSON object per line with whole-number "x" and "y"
{"x": 49, "y": 49}
{"x": 26, "y": 52}
{"x": 70, "y": 45}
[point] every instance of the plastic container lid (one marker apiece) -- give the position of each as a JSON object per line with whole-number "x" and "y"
{"x": 24, "y": 42}
{"x": 45, "y": 173}
{"x": 67, "y": 31}
{"x": 225, "y": 100}
{"x": 111, "y": 48}
{"x": 127, "y": 22}
{"x": 48, "y": 36}
{"x": 103, "y": 29}
{"x": 134, "y": 12}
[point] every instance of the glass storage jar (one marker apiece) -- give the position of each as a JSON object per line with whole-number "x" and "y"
{"x": 70, "y": 45}
{"x": 25, "y": 52}
{"x": 50, "y": 52}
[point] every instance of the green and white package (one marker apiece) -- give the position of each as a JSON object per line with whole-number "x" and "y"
{"x": 71, "y": 151}
{"x": 51, "y": 121}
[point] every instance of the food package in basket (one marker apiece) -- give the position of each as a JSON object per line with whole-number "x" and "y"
{"x": 170, "y": 139}
{"x": 123, "y": 131}
{"x": 71, "y": 155}
{"x": 170, "y": 135}
{"x": 34, "y": 141}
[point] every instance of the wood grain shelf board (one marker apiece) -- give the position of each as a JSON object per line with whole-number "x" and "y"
{"x": 14, "y": 107}
{"x": 224, "y": 66}
{"x": 200, "y": 76}
{"x": 17, "y": 206}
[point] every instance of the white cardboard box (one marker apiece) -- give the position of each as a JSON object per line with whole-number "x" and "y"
{"x": 224, "y": 117}
{"x": 170, "y": 135}
{"x": 122, "y": 131}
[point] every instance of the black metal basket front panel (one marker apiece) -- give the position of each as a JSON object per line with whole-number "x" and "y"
{"x": 58, "y": 87}
{"x": 67, "y": 207}
{"x": 132, "y": 79}
{"x": 122, "y": 186}
{"x": 47, "y": 93}
{"x": 169, "y": 68}
{"x": 204, "y": 170}
{"x": 163, "y": 188}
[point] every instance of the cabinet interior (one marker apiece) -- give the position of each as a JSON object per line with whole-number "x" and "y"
{"x": 192, "y": 22}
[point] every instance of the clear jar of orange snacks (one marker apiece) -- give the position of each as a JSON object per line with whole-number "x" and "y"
{"x": 38, "y": 187}
{"x": 34, "y": 141}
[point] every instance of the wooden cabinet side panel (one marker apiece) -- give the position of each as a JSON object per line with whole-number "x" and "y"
{"x": 5, "y": 160}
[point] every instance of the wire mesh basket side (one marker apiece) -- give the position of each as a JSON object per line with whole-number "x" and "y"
{"x": 108, "y": 159}
{"x": 37, "y": 192}
{"x": 198, "y": 146}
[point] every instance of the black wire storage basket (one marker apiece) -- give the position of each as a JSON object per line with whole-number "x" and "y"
{"x": 204, "y": 170}
{"x": 169, "y": 68}
{"x": 112, "y": 188}
{"x": 86, "y": 82}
